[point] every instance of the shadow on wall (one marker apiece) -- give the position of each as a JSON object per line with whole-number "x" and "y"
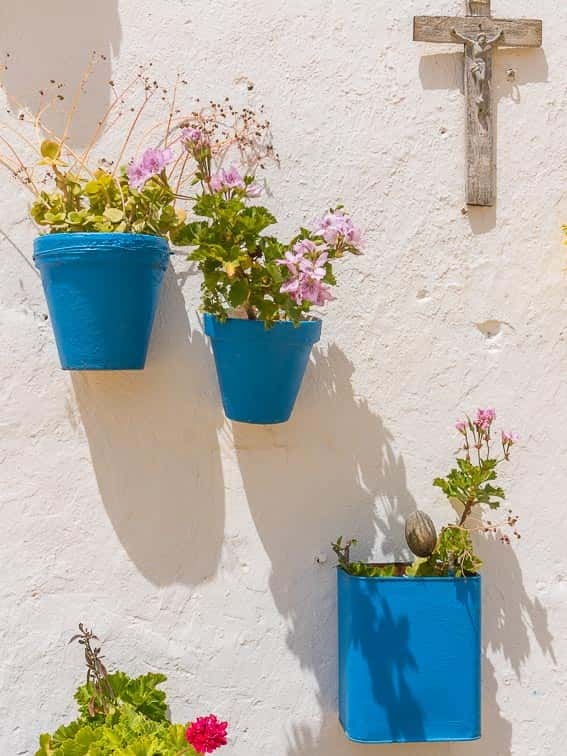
{"x": 55, "y": 41}
{"x": 305, "y": 489}
{"x": 513, "y": 68}
{"x": 153, "y": 441}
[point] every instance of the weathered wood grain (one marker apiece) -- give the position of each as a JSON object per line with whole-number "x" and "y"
{"x": 479, "y": 139}
{"x": 500, "y": 32}
{"x": 521, "y": 33}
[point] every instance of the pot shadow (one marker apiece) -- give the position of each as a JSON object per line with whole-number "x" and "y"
{"x": 446, "y": 71}
{"x": 305, "y": 488}
{"x": 56, "y": 43}
{"x": 153, "y": 441}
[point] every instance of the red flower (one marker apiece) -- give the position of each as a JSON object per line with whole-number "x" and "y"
{"x": 207, "y": 734}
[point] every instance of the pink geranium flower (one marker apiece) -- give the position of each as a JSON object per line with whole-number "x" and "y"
{"x": 226, "y": 180}
{"x": 207, "y": 734}
{"x": 152, "y": 163}
{"x": 337, "y": 228}
{"x": 485, "y": 418}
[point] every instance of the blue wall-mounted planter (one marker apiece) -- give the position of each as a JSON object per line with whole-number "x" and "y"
{"x": 409, "y": 659}
{"x": 260, "y": 370}
{"x": 102, "y": 292}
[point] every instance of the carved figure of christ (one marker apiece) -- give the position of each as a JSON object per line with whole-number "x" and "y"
{"x": 480, "y": 33}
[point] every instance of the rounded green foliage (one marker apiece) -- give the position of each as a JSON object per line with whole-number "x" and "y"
{"x": 107, "y": 204}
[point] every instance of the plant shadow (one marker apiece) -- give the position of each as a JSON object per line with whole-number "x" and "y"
{"x": 154, "y": 447}
{"x": 390, "y": 689}
{"x": 306, "y": 488}
{"x": 55, "y": 44}
{"x": 510, "y": 619}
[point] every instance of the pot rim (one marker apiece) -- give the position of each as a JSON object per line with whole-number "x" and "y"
{"x": 409, "y": 578}
{"x": 307, "y": 322}
{"x": 69, "y": 246}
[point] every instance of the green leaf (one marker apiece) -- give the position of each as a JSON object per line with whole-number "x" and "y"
{"x": 238, "y": 292}
{"x": 75, "y": 218}
{"x": 113, "y": 214}
{"x": 44, "y": 745}
{"x": 50, "y": 149}
{"x": 93, "y": 187}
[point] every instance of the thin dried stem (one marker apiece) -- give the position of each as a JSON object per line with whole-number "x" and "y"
{"x": 77, "y": 98}
{"x": 100, "y": 126}
{"x": 130, "y": 132}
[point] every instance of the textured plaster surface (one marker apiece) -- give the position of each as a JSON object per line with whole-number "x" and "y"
{"x": 190, "y": 543}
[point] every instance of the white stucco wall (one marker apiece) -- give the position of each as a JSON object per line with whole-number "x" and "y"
{"x": 189, "y": 543}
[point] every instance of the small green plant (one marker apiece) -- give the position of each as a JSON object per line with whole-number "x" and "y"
{"x": 127, "y": 717}
{"x": 106, "y": 203}
{"x": 453, "y": 555}
{"x": 470, "y": 486}
{"x": 361, "y": 569}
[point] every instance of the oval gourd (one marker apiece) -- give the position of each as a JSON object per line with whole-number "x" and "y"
{"x": 421, "y": 535}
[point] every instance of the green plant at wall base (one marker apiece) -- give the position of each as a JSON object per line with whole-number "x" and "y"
{"x": 126, "y": 717}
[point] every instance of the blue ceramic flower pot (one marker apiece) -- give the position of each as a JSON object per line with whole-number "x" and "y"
{"x": 260, "y": 370}
{"x": 102, "y": 292}
{"x": 409, "y": 659}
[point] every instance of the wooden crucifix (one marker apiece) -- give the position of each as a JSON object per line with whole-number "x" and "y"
{"x": 480, "y": 34}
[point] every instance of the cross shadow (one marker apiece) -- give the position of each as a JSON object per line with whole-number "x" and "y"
{"x": 56, "y": 43}
{"x": 304, "y": 488}
{"x": 512, "y": 68}
{"x": 153, "y": 441}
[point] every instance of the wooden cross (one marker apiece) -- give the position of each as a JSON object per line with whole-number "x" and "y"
{"x": 480, "y": 33}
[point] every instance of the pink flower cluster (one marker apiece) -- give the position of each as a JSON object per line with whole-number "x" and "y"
{"x": 207, "y": 734}
{"x": 480, "y": 431}
{"x": 152, "y": 163}
{"x": 485, "y": 418}
{"x": 483, "y": 422}
{"x": 226, "y": 181}
{"x": 338, "y": 230}
{"x": 307, "y": 267}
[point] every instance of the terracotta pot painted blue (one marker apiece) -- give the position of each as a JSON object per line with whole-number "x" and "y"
{"x": 102, "y": 292}
{"x": 409, "y": 659}
{"x": 260, "y": 370}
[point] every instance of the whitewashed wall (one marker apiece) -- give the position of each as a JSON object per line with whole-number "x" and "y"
{"x": 189, "y": 543}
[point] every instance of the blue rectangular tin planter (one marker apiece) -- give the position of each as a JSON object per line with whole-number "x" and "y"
{"x": 409, "y": 659}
